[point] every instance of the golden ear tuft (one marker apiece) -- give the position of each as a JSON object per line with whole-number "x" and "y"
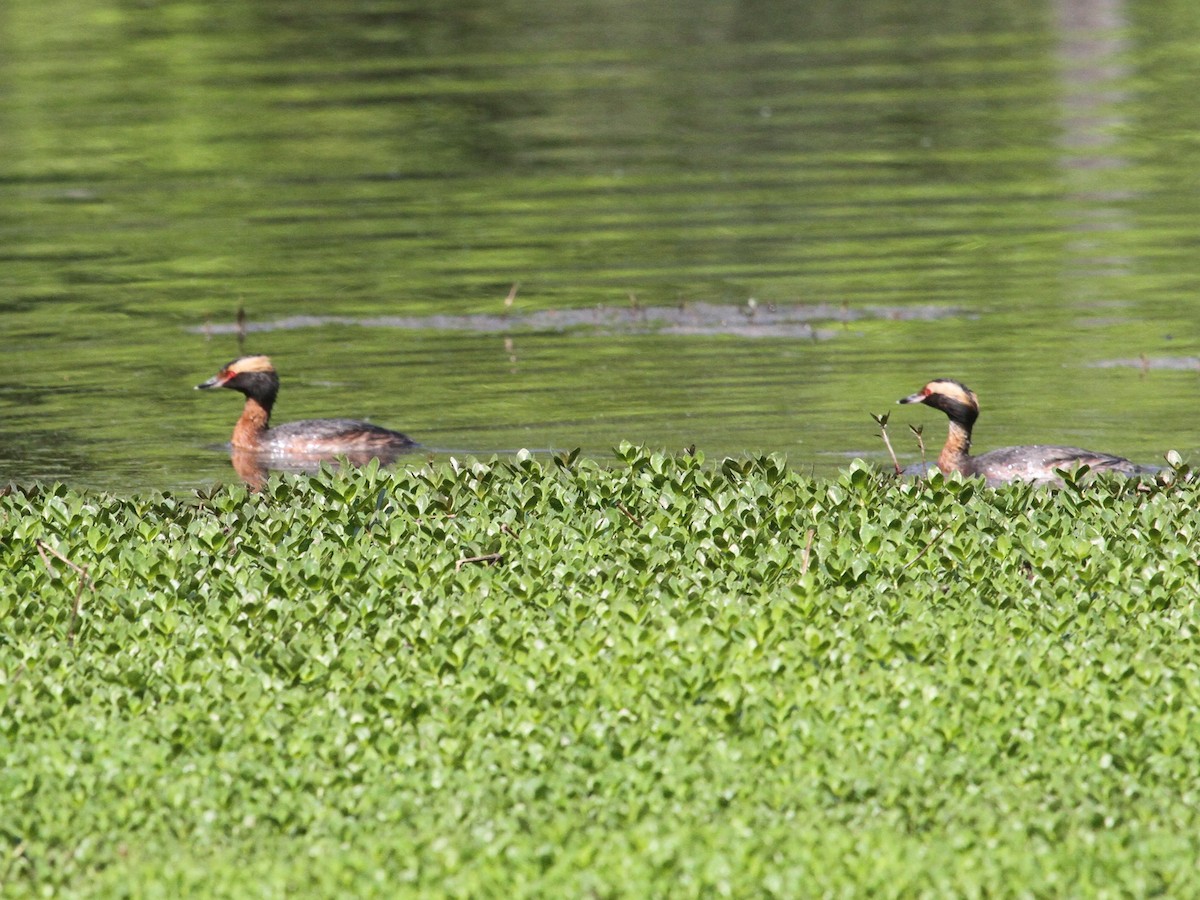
{"x": 955, "y": 390}
{"x": 250, "y": 364}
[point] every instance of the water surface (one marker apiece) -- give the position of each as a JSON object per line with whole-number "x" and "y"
{"x": 1012, "y": 186}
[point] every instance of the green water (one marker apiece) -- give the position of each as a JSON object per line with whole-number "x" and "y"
{"x": 1027, "y": 170}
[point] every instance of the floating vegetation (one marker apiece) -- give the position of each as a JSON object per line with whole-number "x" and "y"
{"x": 553, "y": 678}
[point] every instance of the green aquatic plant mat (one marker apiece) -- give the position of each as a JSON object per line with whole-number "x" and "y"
{"x": 551, "y": 678}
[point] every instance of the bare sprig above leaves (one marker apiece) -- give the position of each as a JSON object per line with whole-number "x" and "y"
{"x": 917, "y": 431}
{"x": 881, "y": 419}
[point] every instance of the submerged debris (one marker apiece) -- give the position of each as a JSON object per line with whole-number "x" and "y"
{"x": 1178, "y": 363}
{"x": 749, "y": 320}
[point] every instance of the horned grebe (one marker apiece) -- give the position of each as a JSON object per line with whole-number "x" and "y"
{"x": 312, "y": 439}
{"x": 1033, "y": 463}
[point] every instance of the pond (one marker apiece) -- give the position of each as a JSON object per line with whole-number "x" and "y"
{"x": 743, "y": 227}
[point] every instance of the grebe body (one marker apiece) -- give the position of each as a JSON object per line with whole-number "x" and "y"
{"x": 255, "y": 377}
{"x": 1036, "y": 463}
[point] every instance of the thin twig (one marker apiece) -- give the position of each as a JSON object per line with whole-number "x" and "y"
{"x": 512, "y": 295}
{"x": 42, "y": 545}
{"x": 882, "y": 421}
{"x": 74, "y": 623}
{"x": 921, "y": 552}
{"x": 917, "y": 430}
{"x": 486, "y": 558}
{"x": 630, "y": 516}
{"x": 806, "y": 557}
{"x": 84, "y": 578}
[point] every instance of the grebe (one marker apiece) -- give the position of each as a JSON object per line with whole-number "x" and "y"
{"x": 1034, "y": 463}
{"x": 309, "y": 439}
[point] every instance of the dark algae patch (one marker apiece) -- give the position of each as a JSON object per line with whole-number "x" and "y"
{"x": 557, "y": 678}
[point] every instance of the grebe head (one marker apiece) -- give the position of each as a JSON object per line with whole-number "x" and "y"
{"x": 253, "y": 376}
{"x": 953, "y": 398}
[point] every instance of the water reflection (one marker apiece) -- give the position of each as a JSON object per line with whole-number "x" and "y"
{"x": 1094, "y": 71}
{"x": 254, "y": 467}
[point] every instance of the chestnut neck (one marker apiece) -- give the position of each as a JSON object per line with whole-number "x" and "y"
{"x": 252, "y": 424}
{"x": 956, "y": 454}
